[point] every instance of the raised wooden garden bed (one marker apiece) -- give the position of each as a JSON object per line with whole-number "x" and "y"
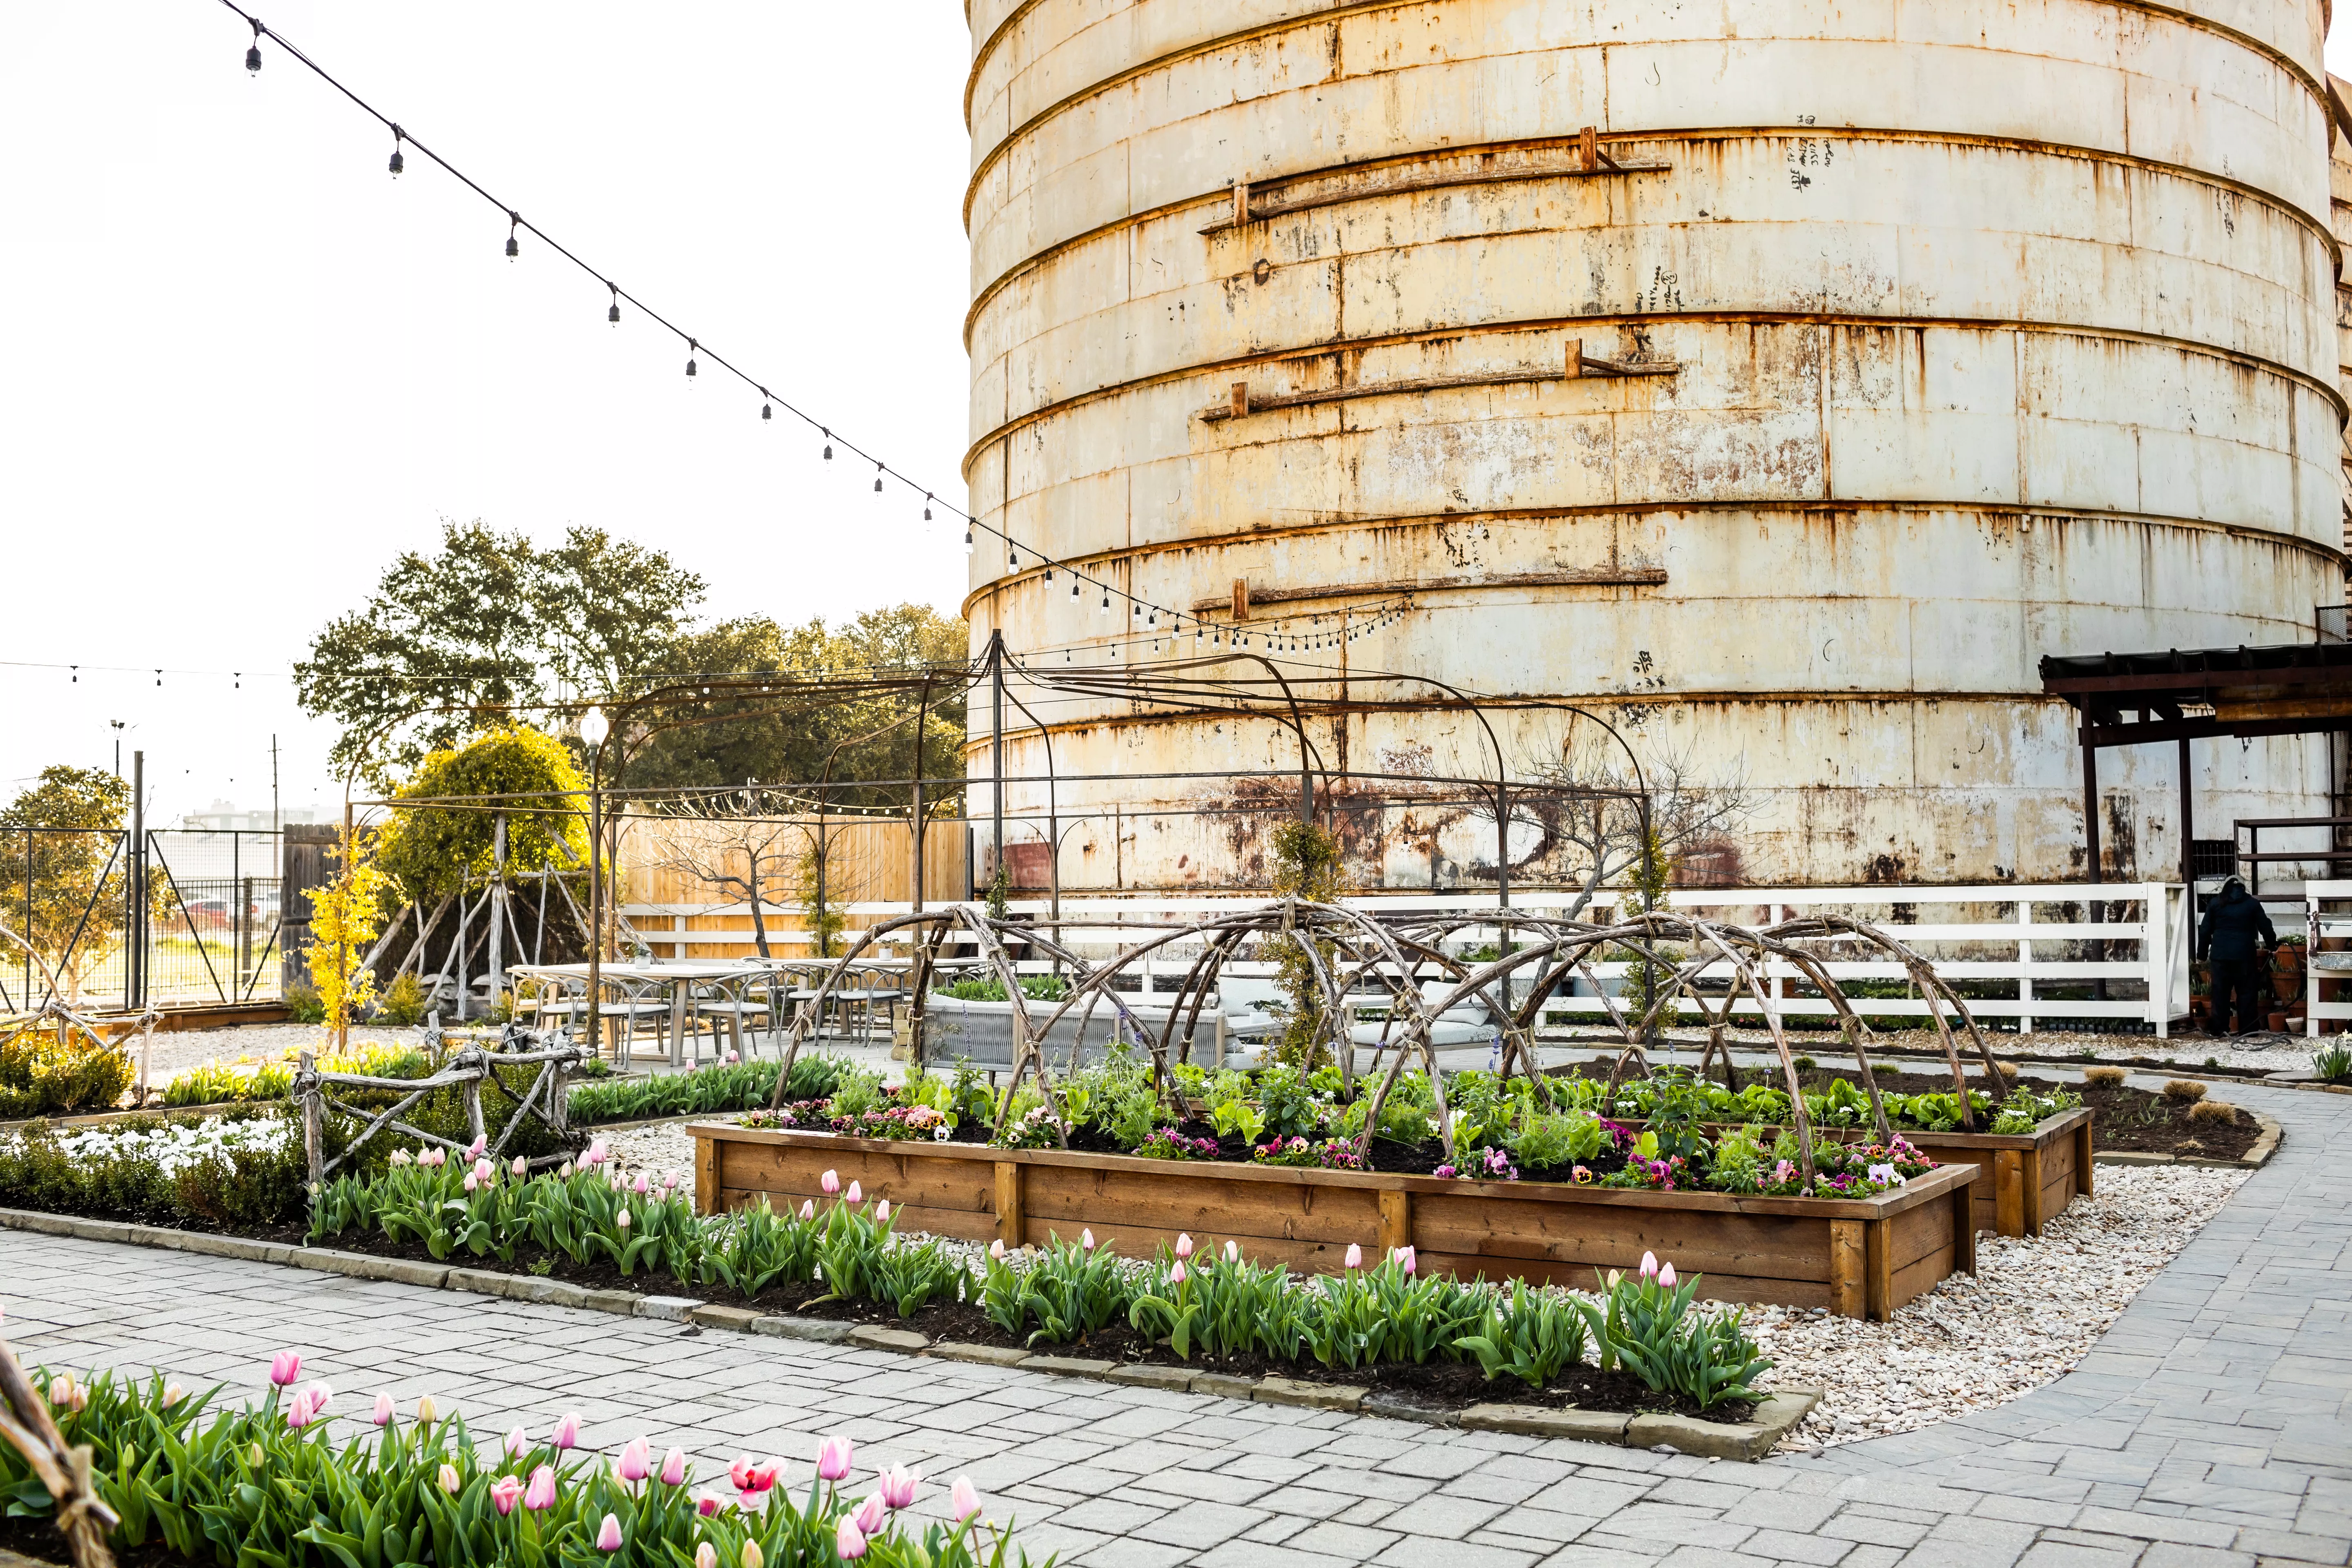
{"x": 1859, "y": 1258}
{"x": 2029, "y": 1178}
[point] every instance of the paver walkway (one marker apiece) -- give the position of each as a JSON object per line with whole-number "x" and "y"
{"x": 2212, "y": 1424}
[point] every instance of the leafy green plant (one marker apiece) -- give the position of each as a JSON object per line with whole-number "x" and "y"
{"x": 403, "y": 1002}
{"x": 1531, "y": 1335}
{"x": 708, "y": 1090}
{"x": 2333, "y": 1065}
{"x": 1073, "y": 1292}
{"x": 1645, "y": 1324}
{"x": 43, "y": 1075}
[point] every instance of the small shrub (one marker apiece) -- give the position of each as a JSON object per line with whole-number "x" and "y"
{"x": 2184, "y": 1091}
{"x": 39, "y": 1077}
{"x": 2333, "y": 1065}
{"x": 304, "y": 1005}
{"x": 2008, "y": 1070}
{"x": 2213, "y": 1112}
{"x": 403, "y": 1002}
{"x": 1804, "y": 1064}
{"x": 2104, "y": 1077}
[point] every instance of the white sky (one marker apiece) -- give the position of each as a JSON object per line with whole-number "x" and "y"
{"x": 241, "y": 366}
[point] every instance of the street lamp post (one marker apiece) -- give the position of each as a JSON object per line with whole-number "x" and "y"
{"x": 593, "y": 728}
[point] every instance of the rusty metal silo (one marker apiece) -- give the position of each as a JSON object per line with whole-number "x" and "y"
{"x": 1918, "y": 339}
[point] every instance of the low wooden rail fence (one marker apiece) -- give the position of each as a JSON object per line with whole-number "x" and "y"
{"x": 465, "y": 1069}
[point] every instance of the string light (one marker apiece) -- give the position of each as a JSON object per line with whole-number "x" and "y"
{"x": 612, "y": 312}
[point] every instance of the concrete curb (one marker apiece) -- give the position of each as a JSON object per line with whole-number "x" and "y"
{"x": 1782, "y": 1410}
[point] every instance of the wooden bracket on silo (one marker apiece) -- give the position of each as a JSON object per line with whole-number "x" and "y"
{"x": 1588, "y": 152}
{"x": 1580, "y": 364}
{"x": 1241, "y": 203}
{"x": 1240, "y": 598}
{"x": 1237, "y": 400}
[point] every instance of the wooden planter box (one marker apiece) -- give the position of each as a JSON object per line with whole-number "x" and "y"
{"x": 1859, "y": 1258}
{"x": 2030, "y": 1177}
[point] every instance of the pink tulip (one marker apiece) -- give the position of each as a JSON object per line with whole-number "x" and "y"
{"x": 427, "y": 1412}
{"x": 669, "y": 1181}
{"x": 1184, "y": 1244}
{"x": 401, "y": 1157}
{"x": 1087, "y": 1240}
{"x": 740, "y": 1472}
{"x": 522, "y": 1167}
{"x": 539, "y": 1495}
{"x": 1666, "y": 1276}
{"x": 505, "y": 1492}
{"x": 641, "y": 1186}
{"x": 285, "y": 1367}
{"x": 830, "y": 1183}
{"x": 673, "y": 1470}
{"x": 595, "y": 1155}
{"x": 1410, "y": 1258}
{"x": 1355, "y": 1255}
{"x": 854, "y": 1195}
{"x": 622, "y": 1219}
{"x": 484, "y": 1173}
{"x": 707, "y": 1506}
{"x": 516, "y": 1441}
{"x": 608, "y": 1535}
{"x": 1649, "y": 1266}
{"x": 882, "y": 1211}
{"x": 319, "y": 1393}
{"x": 808, "y": 1208}
{"x": 449, "y": 1480}
{"x": 897, "y": 1486}
{"x": 833, "y": 1457}
{"x": 474, "y": 1150}
{"x": 383, "y": 1409}
{"x": 996, "y": 1247}
{"x": 172, "y": 1395}
{"x": 1176, "y": 1275}
{"x": 964, "y": 1498}
{"x": 705, "y": 1556}
{"x": 567, "y": 1433}
{"x": 869, "y": 1514}
{"x": 297, "y": 1412}
{"x": 636, "y": 1460}
{"x": 734, "y": 1056}
{"x": 1233, "y": 1253}
{"x": 848, "y": 1543}
{"x": 473, "y": 1182}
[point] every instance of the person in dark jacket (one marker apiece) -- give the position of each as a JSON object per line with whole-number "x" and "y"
{"x": 2234, "y": 931}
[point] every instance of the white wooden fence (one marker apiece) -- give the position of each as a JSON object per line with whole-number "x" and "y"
{"x": 2029, "y": 938}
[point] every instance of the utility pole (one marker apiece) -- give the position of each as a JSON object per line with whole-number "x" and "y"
{"x": 118, "y": 746}
{"x": 275, "y": 825}
{"x": 134, "y": 963}
{"x": 996, "y": 739}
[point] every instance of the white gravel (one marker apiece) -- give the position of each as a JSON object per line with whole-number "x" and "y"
{"x": 2031, "y": 1311}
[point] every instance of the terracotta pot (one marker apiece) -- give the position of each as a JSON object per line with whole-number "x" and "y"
{"x": 2278, "y": 1023}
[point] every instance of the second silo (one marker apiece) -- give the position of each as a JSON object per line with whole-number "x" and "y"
{"x": 1973, "y": 331}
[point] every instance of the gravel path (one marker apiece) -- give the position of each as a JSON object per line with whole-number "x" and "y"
{"x": 2027, "y": 1315}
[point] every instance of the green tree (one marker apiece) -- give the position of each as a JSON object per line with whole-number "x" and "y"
{"x": 60, "y": 849}
{"x": 487, "y": 622}
{"x": 428, "y": 852}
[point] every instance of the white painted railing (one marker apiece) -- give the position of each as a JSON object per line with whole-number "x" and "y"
{"x": 2326, "y": 912}
{"x": 2006, "y": 934}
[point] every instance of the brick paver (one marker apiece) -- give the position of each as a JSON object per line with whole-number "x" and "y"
{"x": 2212, "y": 1425}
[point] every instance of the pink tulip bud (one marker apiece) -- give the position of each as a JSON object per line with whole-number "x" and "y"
{"x": 1184, "y": 1244}
{"x": 474, "y": 1150}
{"x": 869, "y": 1514}
{"x": 516, "y": 1441}
{"x": 450, "y": 1481}
{"x": 882, "y": 1211}
{"x": 636, "y": 1460}
{"x": 383, "y": 1409}
{"x": 540, "y": 1496}
{"x": 734, "y": 1056}
{"x": 996, "y": 1247}
{"x": 522, "y": 1167}
{"x": 567, "y": 1433}
{"x": 832, "y": 1458}
{"x": 673, "y": 1470}
{"x": 808, "y": 1208}
{"x": 595, "y": 1155}
{"x": 1087, "y": 1240}
{"x": 1666, "y": 1276}
{"x": 172, "y": 1395}
{"x": 427, "y": 1412}
{"x": 484, "y": 1173}
{"x": 1355, "y": 1255}
{"x": 622, "y": 1219}
{"x": 1233, "y": 1253}
{"x": 1411, "y": 1261}
{"x": 964, "y": 1498}
{"x": 297, "y": 1412}
{"x": 706, "y": 1507}
{"x": 473, "y": 1182}
{"x": 608, "y": 1535}
{"x": 641, "y": 1186}
{"x": 505, "y": 1492}
{"x": 669, "y": 1181}
{"x": 830, "y": 1183}
{"x": 401, "y": 1157}
{"x": 1176, "y": 1273}
{"x": 705, "y": 1555}
{"x": 897, "y": 1486}
{"x": 854, "y": 1195}
{"x": 753, "y": 1557}
{"x": 285, "y": 1367}
{"x": 1649, "y": 1266}
{"x": 849, "y": 1542}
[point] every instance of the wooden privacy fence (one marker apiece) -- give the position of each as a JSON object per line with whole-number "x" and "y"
{"x": 684, "y": 885}
{"x": 464, "y": 1069}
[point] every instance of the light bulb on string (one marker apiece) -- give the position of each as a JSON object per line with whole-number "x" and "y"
{"x": 691, "y": 349}
{"x": 398, "y": 162}
{"x": 828, "y": 446}
{"x": 878, "y": 479}
{"x": 766, "y": 412}
{"x": 613, "y": 315}
{"x": 1074, "y": 584}
{"x": 253, "y": 51}
{"x": 967, "y": 534}
{"x": 926, "y": 515}
{"x": 1106, "y": 605}
{"x": 514, "y": 221}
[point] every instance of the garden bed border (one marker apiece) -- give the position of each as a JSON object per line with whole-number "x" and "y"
{"x": 1776, "y": 1416}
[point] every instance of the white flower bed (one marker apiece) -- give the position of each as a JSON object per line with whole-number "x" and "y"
{"x": 174, "y": 1147}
